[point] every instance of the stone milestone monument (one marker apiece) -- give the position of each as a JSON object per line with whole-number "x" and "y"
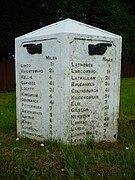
{"x": 68, "y": 83}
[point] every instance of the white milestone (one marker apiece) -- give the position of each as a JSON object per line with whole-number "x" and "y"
{"x": 68, "y": 83}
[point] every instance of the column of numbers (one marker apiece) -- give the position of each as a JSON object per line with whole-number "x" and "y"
{"x": 51, "y": 95}
{"x": 106, "y": 100}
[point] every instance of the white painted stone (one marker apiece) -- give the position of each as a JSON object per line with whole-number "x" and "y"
{"x": 65, "y": 93}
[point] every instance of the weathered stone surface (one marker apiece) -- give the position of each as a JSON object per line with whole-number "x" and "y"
{"x": 65, "y": 91}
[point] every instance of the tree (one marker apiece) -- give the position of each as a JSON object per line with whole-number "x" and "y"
{"x": 114, "y": 17}
{"x": 130, "y": 6}
{"x": 23, "y": 16}
{"x": 16, "y": 19}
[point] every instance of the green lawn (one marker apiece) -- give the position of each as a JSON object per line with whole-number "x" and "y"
{"x": 128, "y": 97}
{"x": 7, "y": 112}
{"x": 27, "y": 159}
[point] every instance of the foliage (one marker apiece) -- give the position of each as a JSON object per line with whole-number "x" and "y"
{"x": 127, "y": 103}
{"x": 130, "y": 6}
{"x": 7, "y": 112}
{"x": 113, "y": 16}
{"x": 28, "y": 159}
{"x": 20, "y": 17}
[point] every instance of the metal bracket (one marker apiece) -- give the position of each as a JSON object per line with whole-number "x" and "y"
{"x": 33, "y": 48}
{"x": 98, "y": 49}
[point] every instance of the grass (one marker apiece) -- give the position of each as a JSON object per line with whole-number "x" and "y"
{"x": 127, "y": 106}
{"x": 27, "y": 159}
{"x": 7, "y": 112}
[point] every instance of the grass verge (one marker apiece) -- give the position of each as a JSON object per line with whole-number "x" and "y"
{"x": 29, "y": 159}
